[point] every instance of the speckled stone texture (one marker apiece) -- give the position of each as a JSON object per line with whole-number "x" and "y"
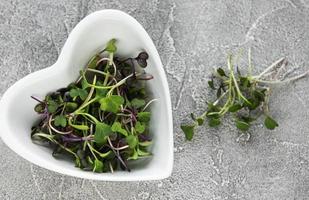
{"x": 192, "y": 37}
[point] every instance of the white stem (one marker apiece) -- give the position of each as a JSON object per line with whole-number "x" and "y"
{"x": 120, "y": 83}
{"x": 153, "y": 100}
{"x": 91, "y": 91}
{"x": 110, "y": 62}
{"x": 218, "y": 100}
{"x": 121, "y": 148}
{"x": 57, "y": 131}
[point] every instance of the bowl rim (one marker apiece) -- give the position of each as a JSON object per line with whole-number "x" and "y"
{"x": 7, "y": 139}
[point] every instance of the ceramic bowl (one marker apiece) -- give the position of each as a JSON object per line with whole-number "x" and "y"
{"x": 88, "y": 37}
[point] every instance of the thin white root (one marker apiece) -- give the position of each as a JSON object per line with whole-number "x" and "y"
{"x": 284, "y": 64}
{"x": 271, "y": 67}
{"x": 285, "y": 81}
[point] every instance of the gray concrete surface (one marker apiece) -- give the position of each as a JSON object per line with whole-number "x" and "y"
{"x": 191, "y": 37}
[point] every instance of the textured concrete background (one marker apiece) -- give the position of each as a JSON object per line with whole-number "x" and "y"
{"x": 191, "y": 37}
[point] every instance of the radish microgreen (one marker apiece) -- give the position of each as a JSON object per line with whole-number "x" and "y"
{"x": 102, "y": 119}
{"x": 243, "y": 97}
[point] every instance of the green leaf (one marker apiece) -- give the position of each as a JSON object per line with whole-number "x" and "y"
{"x": 89, "y": 160}
{"x": 259, "y": 95}
{"x": 104, "y": 155}
{"x": 247, "y": 119}
{"x": 111, "y": 47}
{"x": 71, "y": 86}
{"x": 234, "y": 108}
{"x": 200, "y": 121}
{"x": 80, "y": 127}
{"x": 39, "y": 108}
{"x": 83, "y": 94}
{"x": 221, "y": 72}
{"x": 241, "y": 125}
{"x": 142, "y": 153}
{"x": 238, "y": 71}
{"x": 188, "y": 130}
{"x": 52, "y": 106}
{"x": 144, "y": 116}
{"x": 77, "y": 92}
{"x": 145, "y": 143}
{"x": 93, "y": 62}
{"x": 85, "y": 84}
{"x": 138, "y": 103}
{"x": 211, "y": 84}
{"x": 60, "y": 120}
{"x": 212, "y": 107}
{"x": 71, "y": 106}
{"x": 219, "y": 92}
{"x": 213, "y": 122}
{"x": 132, "y": 141}
{"x": 100, "y": 93}
{"x": 139, "y": 127}
{"x": 116, "y": 127}
{"x": 253, "y": 103}
{"x": 193, "y": 116}
{"x": 102, "y": 130}
{"x": 60, "y": 99}
{"x": 270, "y": 123}
{"x": 98, "y": 166}
{"x": 74, "y": 93}
{"x": 134, "y": 156}
{"x": 244, "y": 81}
{"x": 77, "y": 162}
{"x": 214, "y": 115}
{"x": 111, "y": 103}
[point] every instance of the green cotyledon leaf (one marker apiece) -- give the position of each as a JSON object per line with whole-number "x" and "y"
{"x": 140, "y": 127}
{"x": 270, "y": 123}
{"x": 144, "y": 116}
{"x": 242, "y": 125}
{"x": 78, "y": 92}
{"x": 102, "y": 130}
{"x": 116, "y": 127}
{"x": 111, "y": 46}
{"x": 60, "y": 120}
{"x": 137, "y": 103}
{"x": 98, "y": 166}
{"x": 188, "y": 130}
{"x": 111, "y": 103}
{"x": 132, "y": 141}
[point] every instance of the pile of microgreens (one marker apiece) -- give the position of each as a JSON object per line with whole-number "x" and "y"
{"x": 102, "y": 119}
{"x": 243, "y": 97}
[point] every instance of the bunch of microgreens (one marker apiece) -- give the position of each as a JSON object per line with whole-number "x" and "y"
{"x": 101, "y": 120}
{"x": 243, "y": 97}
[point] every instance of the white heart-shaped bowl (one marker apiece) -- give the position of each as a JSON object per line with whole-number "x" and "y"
{"x": 88, "y": 37}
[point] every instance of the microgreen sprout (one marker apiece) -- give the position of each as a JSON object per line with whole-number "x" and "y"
{"x": 243, "y": 97}
{"x": 102, "y": 119}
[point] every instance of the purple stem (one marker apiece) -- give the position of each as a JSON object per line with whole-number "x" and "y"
{"x": 145, "y": 77}
{"x": 37, "y": 99}
{"x": 74, "y": 138}
{"x": 144, "y": 138}
{"x": 133, "y": 115}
